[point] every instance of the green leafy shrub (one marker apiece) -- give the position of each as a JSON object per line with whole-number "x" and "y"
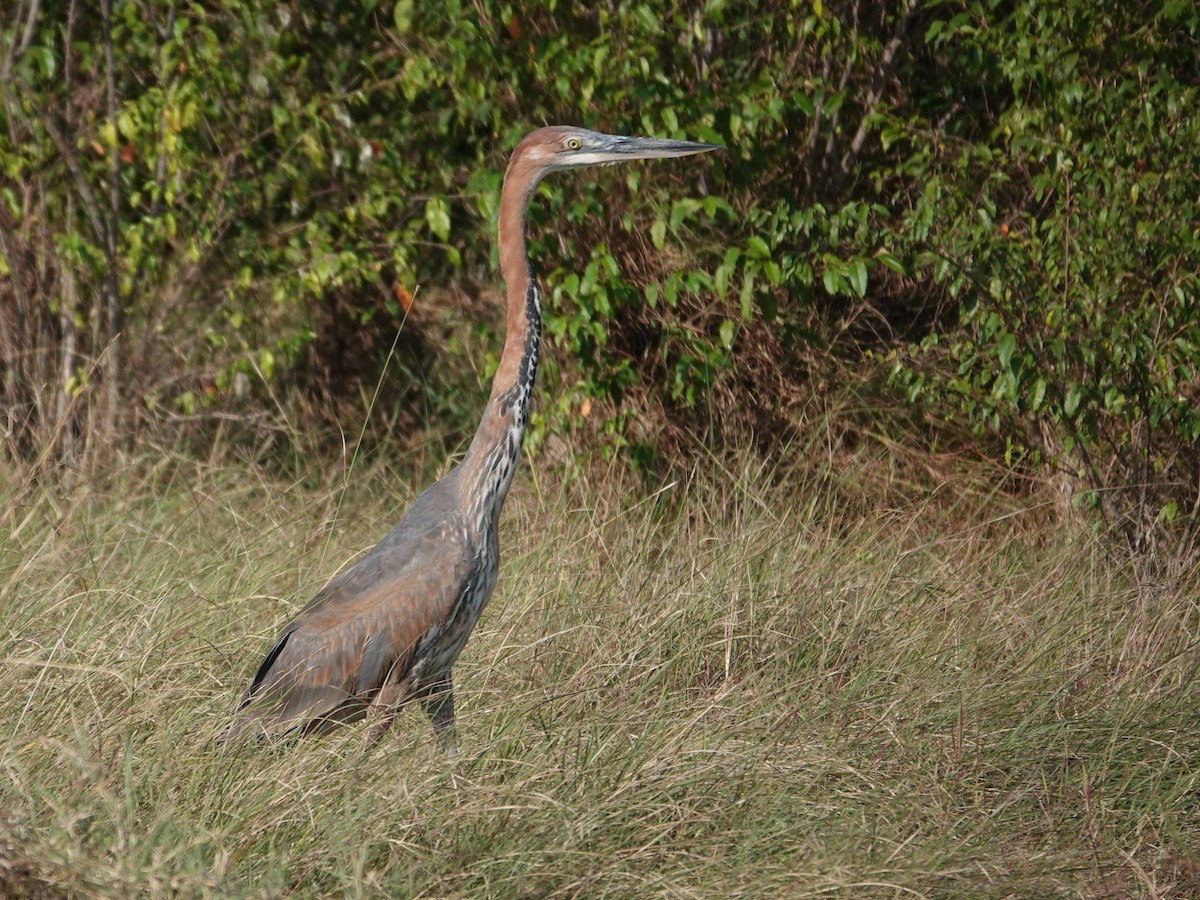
{"x": 206, "y": 204}
{"x": 261, "y": 168}
{"x": 1059, "y": 220}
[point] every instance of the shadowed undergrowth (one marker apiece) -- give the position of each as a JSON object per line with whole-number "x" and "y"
{"x": 743, "y": 683}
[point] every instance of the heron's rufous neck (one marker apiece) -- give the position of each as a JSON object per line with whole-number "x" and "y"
{"x": 519, "y": 181}
{"x": 492, "y": 456}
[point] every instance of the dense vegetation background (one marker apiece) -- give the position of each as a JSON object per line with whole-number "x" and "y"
{"x": 212, "y": 212}
{"x": 913, "y": 368}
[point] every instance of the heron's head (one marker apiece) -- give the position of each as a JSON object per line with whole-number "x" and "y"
{"x": 567, "y": 147}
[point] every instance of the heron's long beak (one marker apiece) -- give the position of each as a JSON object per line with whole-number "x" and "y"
{"x": 652, "y": 148}
{"x": 617, "y": 148}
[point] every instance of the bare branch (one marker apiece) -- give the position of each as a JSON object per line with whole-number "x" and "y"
{"x": 90, "y": 204}
{"x": 66, "y": 398}
{"x": 160, "y": 174}
{"x": 835, "y": 119}
{"x": 883, "y": 74}
{"x": 116, "y": 311}
{"x": 16, "y": 51}
{"x": 27, "y": 37}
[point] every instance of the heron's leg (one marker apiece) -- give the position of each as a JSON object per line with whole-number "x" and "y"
{"x": 439, "y": 706}
{"x": 383, "y": 710}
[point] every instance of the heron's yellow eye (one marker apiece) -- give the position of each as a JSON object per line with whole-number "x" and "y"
{"x": 572, "y": 143}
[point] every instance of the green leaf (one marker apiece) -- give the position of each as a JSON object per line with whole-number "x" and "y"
{"x": 402, "y": 15}
{"x": 1039, "y": 395}
{"x": 126, "y": 125}
{"x": 437, "y": 216}
{"x": 891, "y": 262}
{"x": 1072, "y": 400}
{"x": 833, "y": 281}
{"x": 658, "y": 233}
{"x": 756, "y": 248}
{"x": 671, "y": 289}
{"x": 746, "y": 297}
{"x": 726, "y": 332}
{"x": 43, "y": 58}
{"x": 857, "y": 275}
{"x": 1005, "y": 348}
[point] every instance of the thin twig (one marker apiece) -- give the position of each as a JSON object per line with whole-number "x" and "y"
{"x": 883, "y": 74}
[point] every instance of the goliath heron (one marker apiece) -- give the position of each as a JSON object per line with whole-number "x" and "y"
{"x": 389, "y": 628}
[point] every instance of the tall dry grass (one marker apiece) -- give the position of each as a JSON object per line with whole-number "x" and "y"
{"x": 830, "y": 679}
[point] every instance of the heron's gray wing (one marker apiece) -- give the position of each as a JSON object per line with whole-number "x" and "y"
{"x": 362, "y": 626}
{"x": 434, "y": 512}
